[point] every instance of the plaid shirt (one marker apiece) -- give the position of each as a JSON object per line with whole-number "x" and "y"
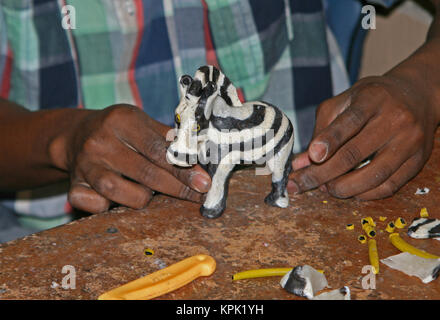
{"x": 133, "y": 51}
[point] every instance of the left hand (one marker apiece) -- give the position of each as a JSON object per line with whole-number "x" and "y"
{"x": 117, "y": 155}
{"x": 387, "y": 116}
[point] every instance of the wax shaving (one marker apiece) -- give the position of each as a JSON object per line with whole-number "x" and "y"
{"x": 338, "y": 294}
{"x": 304, "y": 281}
{"x": 423, "y": 228}
{"x": 421, "y": 191}
{"x": 412, "y": 265}
{"x": 363, "y": 164}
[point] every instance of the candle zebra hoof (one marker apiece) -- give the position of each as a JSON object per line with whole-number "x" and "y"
{"x": 211, "y": 213}
{"x": 278, "y": 197}
{"x": 217, "y": 131}
{"x": 281, "y": 202}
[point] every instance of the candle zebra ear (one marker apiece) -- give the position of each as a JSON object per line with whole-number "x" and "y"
{"x": 184, "y": 81}
{"x": 209, "y": 94}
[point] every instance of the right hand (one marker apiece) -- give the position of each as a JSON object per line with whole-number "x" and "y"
{"x": 118, "y": 155}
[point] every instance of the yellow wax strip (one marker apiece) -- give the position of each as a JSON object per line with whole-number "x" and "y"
{"x": 370, "y": 231}
{"x": 400, "y": 244}
{"x": 374, "y": 256}
{"x": 260, "y": 273}
{"x": 148, "y": 252}
{"x": 362, "y": 239}
{"x": 164, "y": 280}
{"x": 400, "y": 223}
{"x": 390, "y": 227}
{"x": 424, "y": 213}
{"x": 367, "y": 221}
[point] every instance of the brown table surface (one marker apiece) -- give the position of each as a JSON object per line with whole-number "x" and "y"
{"x": 249, "y": 235}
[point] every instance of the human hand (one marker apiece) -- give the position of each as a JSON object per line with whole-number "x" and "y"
{"x": 118, "y": 155}
{"x": 389, "y": 117}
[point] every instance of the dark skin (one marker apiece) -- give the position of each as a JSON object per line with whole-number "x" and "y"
{"x": 393, "y": 117}
{"x": 111, "y": 155}
{"x": 118, "y": 154}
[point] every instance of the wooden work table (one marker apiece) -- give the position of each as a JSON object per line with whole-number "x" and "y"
{"x": 107, "y": 250}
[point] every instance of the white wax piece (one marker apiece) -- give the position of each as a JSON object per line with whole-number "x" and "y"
{"x": 423, "y": 268}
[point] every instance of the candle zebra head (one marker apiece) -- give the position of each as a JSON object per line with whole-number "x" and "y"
{"x": 192, "y": 115}
{"x": 217, "y": 131}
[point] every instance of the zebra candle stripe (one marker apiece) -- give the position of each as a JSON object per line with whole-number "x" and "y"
{"x": 217, "y": 131}
{"x": 422, "y": 228}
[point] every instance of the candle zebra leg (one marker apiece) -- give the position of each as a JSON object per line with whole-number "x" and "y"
{"x": 280, "y": 166}
{"x": 215, "y": 202}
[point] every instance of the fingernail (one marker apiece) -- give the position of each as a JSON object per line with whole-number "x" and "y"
{"x": 200, "y": 182}
{"x": 318, "y": 151}
{"x": 292, "y": 187}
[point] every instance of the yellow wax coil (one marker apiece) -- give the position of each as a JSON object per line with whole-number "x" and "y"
{"x": 400, "y": 223}
{"x": 373, "y": 255}
{"x": 370, "y": 231}
{"x": 381, "y": 218}
{"x": 362, "y": 239}
{"x": 400, "y": 244}
{"x": 164, "y": 280}
{"x": 390, "y": 227}
{"x": 349, "y": 226}
{"x": 424, "y": 213}
{"x": 261, "y": 273}
{"x": 367, "y": 221}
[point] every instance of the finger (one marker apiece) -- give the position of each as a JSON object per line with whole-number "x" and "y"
{"x": 344, "y": 126}
{"x": 159, "y": 127}
{"x": 137, "y": 168}
{"x": 346, "y": 158}
{"x": 329, "y": 110}
{"x": 82, "y": 197}
{"x": 154, "y": 148}
{"x": 117, "y": 189}
{"x": 405, "y": 173}
{"x": 385, "y": 163}
{"x": 301, "y": 160}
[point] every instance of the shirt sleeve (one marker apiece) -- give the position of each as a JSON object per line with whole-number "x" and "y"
{"x": 5, "y": 57}
{"x": 385, "y": 3}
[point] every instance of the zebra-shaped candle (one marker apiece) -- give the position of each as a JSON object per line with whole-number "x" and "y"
{"x": 217, "y": 131}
